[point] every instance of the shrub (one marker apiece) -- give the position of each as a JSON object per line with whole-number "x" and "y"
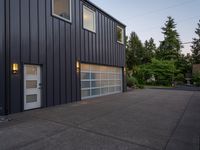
{"x": 180, "y": 77}
{"x": 132, "y": 81}
{"x": 140, "y": 86}
{"x": 196, "y": 79}
{"x": 158, "y": 72}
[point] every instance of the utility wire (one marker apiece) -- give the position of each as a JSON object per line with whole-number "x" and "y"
{"x": 178, "y": 22}
{"x": 166, "y": 8}
{"x": 185, "y": 43}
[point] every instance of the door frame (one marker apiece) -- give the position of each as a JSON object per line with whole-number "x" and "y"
{"x": 22, "y": 85}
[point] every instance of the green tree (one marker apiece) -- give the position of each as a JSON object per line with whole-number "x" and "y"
{"x": 162, "y": 71}
{"x": 149, "y": 50}
{"x": 134, "y": 51}
{"x": 196, "y": 46}
{"x": 170, "y": 47}
{"x": 183, "y": 65}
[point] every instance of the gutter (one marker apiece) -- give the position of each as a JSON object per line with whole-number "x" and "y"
{"x": 97, "y": 7}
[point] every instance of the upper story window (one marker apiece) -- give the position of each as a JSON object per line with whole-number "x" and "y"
{"x": 120, "y": 35}
{"x": 62, "y": 9}
{"x": 89, "y": 19}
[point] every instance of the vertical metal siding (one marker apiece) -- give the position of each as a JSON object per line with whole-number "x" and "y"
{"x": 68, "y": 63}
{"x": 73, "y": 52}
{"x": 56, "y": 67}
{"x": 2, "y": 57}
{"x": 34, "y": 31}
{"x": 99, "y": 35}
{"x": 42, "y": 47}
{"x": 15, "y": 55}
{"x": 7, "y": 48}
{"x": 97, "y": 38}
{"x": 62, "y": 64}
{"x": 49, "y": 53}
{"x": 25, "y": 28}
{"x": 36, "y": 37}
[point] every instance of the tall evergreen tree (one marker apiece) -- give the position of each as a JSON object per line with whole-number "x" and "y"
{"x": 170, "y": 47}
{"x": 135, "y": 51}
{"x": 196, "y": 46}
{"x": 149, "y": 50}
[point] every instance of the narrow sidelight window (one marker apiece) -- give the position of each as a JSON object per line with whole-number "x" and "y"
{"x": 120, "y": 35}
{"x": 62, "y": 9}
{"x": 89, "y": 19}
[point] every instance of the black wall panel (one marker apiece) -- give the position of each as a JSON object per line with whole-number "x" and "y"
{"x": 56, "y": 57}
{"x": 2, "y": 57}
{"x": 50, "y": 57}
{"x": 42, "y": 32}
{"x": 34, "y": 24}
{"x": 78, "y": 45}
{"x": 25, "y": 30}
{"x": 15, "y": 56}
{"x": 37, "y": 37}
{"x": 68, "y": 63}
{"x": 73, "y": 52}
{"x": 62, "y": 73}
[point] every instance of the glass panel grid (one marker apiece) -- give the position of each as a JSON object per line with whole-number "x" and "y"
{"x": 99, "y": 80}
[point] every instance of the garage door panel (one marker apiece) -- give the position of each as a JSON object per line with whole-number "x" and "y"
{"x": 85, "y": 75}
{"x": 96, "y": 92}
{"x": 95, "y": 75}
{"x": 85, "y": 84}
{"x": 99, "y": 80}
{"x": 95, "y": 83}
{"x": 85, "y": 93}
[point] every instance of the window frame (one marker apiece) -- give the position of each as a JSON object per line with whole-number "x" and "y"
{"x": 94, "y": 15}
{"x": 62, "y": 18}
{"x": 121, "y": 42}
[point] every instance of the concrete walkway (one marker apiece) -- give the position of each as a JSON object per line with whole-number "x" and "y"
{"x": 149, "y": 119}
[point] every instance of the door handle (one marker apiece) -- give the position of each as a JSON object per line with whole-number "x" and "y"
{"x": 40, "y": 86}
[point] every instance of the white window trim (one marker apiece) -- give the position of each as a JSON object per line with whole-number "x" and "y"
{"x": 62, "y": 18}
{"x": 94, "y": 15}
{"x": 122, "y": 35}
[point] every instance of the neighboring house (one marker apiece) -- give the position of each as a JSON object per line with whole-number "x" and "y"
{"x": 196, "y": 68}
{"x": 54, "y": 52}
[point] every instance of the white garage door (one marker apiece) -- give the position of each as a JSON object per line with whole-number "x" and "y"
{"x": 99, "y": 80}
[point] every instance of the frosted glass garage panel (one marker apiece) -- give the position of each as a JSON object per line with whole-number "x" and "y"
{"x": 85, "y": 84}
{"x": 85, "y": 67}
{"x": 97, "y": 80}
{"x": 85, "y": 76}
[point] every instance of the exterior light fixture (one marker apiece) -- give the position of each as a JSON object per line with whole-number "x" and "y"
{"x": 15, "y": 68}
{"x": 124, "y": 69}
{"x": 78, "y": 66}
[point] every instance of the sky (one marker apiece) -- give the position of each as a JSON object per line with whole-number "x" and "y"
{"x": 146, "y": 17}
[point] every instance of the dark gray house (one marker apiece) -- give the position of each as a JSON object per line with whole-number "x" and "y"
{"x": 54, "y": 52}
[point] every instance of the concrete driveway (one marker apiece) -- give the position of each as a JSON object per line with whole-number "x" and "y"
{"x": 149, "y": 119}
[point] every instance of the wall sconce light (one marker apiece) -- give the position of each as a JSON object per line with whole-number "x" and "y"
{"x": 78, "y": 66}
{"x": 124, "y": 69}
{"x": 15, "y": 68}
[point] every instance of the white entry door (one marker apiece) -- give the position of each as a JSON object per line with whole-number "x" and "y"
{"x": 32, "y": 87}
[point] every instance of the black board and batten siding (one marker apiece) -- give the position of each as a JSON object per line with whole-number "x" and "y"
{"x": 29, "y": 34}
{"x": 2, "y": 57}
